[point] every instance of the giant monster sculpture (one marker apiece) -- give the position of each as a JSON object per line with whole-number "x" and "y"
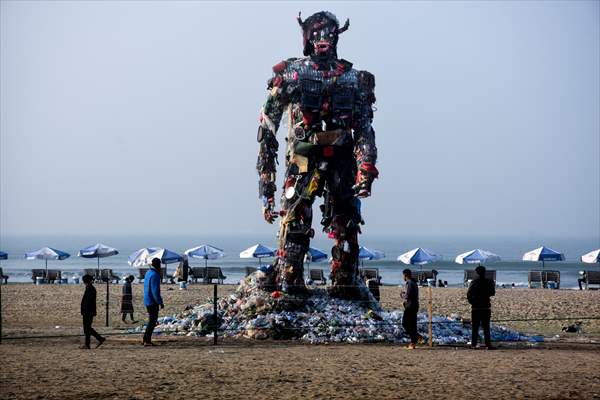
{"x": 330, "y": 152}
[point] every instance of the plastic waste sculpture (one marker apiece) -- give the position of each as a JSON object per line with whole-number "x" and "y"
{"x": 330, "y": 152}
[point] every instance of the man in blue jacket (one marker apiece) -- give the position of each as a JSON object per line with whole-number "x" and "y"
{"x": 152, "y": 299}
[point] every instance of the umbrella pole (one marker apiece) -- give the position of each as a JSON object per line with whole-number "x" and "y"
{"x": 205, "y": 270}
{"x": 46, "y": 268}
{"x": 543, "y": 284}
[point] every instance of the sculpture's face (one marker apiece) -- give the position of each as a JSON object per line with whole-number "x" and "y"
{"x": 323, "y": 37}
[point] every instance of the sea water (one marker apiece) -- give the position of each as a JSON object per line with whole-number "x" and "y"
{"x": 511, "y": 270}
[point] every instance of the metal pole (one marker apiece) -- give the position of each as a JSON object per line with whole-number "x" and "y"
{"x": 0, "y": 311}
{"x": 107, "y": 286}
{"x": 430, "y": 310}
{"x": 215, "y": 320}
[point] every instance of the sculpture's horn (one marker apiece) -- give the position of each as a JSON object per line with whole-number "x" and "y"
{"x": 300, "y": 19}
{"x": 345, "y": 27}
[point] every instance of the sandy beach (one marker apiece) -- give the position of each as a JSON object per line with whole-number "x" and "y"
{"x": 55, "y": 368}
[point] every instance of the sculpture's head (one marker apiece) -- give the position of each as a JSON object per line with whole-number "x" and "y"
{"x": 320, "y": 33}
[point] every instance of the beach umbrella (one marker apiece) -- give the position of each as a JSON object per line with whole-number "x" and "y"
{"x": 165, "y": 256}
{"x": 476, "y": 256}
{"x": 98, "y": 251}
{"x": 138, "y": 258}
{"x": 543, "y": 254}
{"x": 589, "y": 258}
{"x": 365, "y": 253}
{"x": 314, "y": 255}
{"x": 47, "y": 253}
{"x": 207, "y": 252}
{"x": 257, "y": 251}
{"x": 3, "y": 255}
{"x": 419, "y": 256}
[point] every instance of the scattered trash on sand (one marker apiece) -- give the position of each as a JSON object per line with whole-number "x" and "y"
{"x": 253, "y": 313}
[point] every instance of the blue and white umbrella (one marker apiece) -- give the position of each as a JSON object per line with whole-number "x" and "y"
{"x": 257, "y": 251}
{"x": 138, "y": 258}
{"x": 543, "y": 254}
{"x": 98, "y": 251}
{"x": 476, "y": 256}
{"x": 3, "y": 255}
{"x": 592, "y": 257}
{"x": 47, "y": 253}
{"x": 205, "y": 251}
{"x": 165, "y": 256}
{"x": 315, "y": 255}
{"x": 419, "y": 256}
{"x": 365, "y": 253}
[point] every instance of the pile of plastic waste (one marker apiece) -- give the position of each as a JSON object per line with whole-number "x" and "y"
{"x": 253, "y": 313}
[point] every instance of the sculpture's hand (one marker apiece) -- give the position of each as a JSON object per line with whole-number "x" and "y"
{"x": 269, "y": 212}
{"x": 367, "y": 173}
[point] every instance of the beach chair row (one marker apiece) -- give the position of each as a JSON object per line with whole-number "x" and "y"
{"x": 203, "y": 274}
{"x": 545, "y": 279}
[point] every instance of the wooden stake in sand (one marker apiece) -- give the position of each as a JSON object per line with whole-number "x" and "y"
{"x": 430, "y": 312}
{"x": 216, "y": 324}
{"x": 107, "y": 299}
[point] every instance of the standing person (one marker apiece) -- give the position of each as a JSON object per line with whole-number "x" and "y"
{"x": 185, "y": 269}
{"x": 88, "y": 312}
{"x": 152, "y": 299}
{"x": 411, "y": 307}
{"x": 478, "y": 295}
{"x": 127, "y": 299}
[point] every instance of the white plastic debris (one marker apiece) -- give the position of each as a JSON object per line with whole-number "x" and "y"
{"x": 253, "y": 313}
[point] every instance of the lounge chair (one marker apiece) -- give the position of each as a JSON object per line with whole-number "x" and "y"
{"x": 142, "y": 273}
{"x": 250, "y": 270}
{"x": 215, "y": 273}
{"x": 542, "y": 278}
{"x": 53, "y": 275}
{"x": 591, "y": 278}
{"x": 470, "y": 274}
{"x": 317, "y": 275}
{"x": 371, "y": 273}
{"x": 37, "y": 273}
{"x": 93, "y": 272}
{"x": 197, "y": 273}
{"x": 421, "y": 276}
{"x": 3, "y": 277}
{"x": 107, "y": 274}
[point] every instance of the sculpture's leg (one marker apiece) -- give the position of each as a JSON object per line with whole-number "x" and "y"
{"x": 294, "y": 235}
{"x": 344, "y": 253}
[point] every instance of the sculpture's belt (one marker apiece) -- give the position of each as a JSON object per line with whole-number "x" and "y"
{"x": 337, "y": 137}
{"x": 324, "y": 143}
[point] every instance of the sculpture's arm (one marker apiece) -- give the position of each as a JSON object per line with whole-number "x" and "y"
{"x": 270, "y": 117}
{"x": 364, "y": 135}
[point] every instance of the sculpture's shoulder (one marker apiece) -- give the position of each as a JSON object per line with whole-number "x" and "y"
{"x": 286, "y": 71}
{"x": 290, "y": 65}
{"x": 366, "y": 84}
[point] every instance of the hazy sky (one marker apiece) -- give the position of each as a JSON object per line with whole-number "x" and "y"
{"x": 133, "y": 117}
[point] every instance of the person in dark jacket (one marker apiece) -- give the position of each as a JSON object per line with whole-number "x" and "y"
{"x": 478, "y": 295}
{"x": 127, "y": 299}
{"x": 411, "y": 307}
{"x": 88, "y": 312}
{"x": 152, "y": 299}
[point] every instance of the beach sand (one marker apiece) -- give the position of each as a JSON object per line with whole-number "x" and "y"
{"x": 55, "y": 368}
